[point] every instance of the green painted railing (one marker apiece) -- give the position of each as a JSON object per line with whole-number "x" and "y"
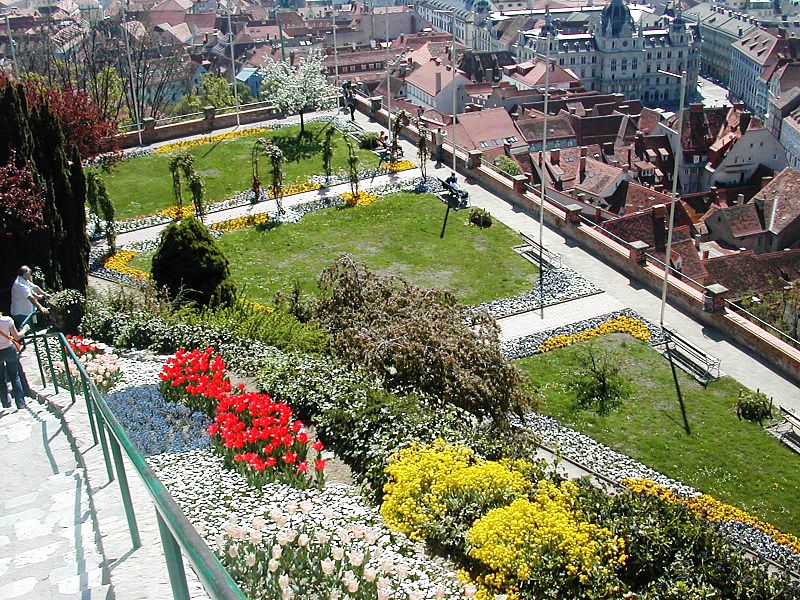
{"x": 178, "y": 536}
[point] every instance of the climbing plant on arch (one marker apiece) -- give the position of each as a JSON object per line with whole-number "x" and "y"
{"x": 182, "y": 168}
{"x": 275, "y": 156}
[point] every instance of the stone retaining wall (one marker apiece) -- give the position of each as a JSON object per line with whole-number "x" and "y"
{"x": 625, "y": 257}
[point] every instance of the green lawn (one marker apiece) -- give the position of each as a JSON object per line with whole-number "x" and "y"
{"x": 398, "y": 234}
{"x": 735, "y": 461}
{"x": 143, "y": 186}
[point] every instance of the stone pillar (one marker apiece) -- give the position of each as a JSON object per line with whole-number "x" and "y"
{"x": 637, "y": 250}
{"x": 148, "y": 130}
{"x": 714, "y": 297}
{"x": 474, "y": 159}
{"x": 519, "y": 182}
{"x": 209, "y": 114}
{"x": 375, "y": 103}
{"x": 573, "y": 213}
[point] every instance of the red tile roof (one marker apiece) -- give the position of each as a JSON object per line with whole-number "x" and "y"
{"x": 750, "y": 272}
{"x": 780, "y": 200}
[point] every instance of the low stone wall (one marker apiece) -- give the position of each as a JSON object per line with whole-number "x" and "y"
{"x": 209, "y": 122}
{"x": 625, "y": 257}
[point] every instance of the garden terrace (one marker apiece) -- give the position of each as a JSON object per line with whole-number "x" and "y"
{"x": 735, "y": 461}
{"x": 399, "y": 234}
{"x": 142, "y": 186}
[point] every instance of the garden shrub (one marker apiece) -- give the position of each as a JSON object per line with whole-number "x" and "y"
{"x": 543, "y": 548}
{"x": 480, "y": 218}
{"x": 671, "y": 550}
{"x": 753, "y": 406}
{"x": 368, "y": 140}
{"x": 598, "y": 384}
{"x": 190, "y": 265}
{"x": 67, "y": 308}
{"x": 507, "y": 165}
{"x": 438, "y": 491}
{"x": 420, "y": 340}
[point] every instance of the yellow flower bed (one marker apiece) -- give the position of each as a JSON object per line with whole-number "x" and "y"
{"x": 402, "y": 165}
{"x": 622, "y": 324}
{"x": 360, "y": 199}
{"x": 119, "y": 262}
{"x": 211, "y": 139}
{"x": 713, "y": 510}
{"x": 175, "y": 212}
{"x": 297, "y": 188}
{"x": 426, "y": 478}
{"x": 531, "y": 541}
{"x": 240, "y": 222}
{"x": 258, "y": 306}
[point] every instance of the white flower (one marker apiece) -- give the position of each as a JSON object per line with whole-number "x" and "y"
{"x": 283, "y": 581}
{"x": 343, "y": 535}
{"x": 277, "y": 551}
{"x": 291, "y": 508}
{"x": 327, "y": 512}
{"x": 352, "y": 586}
{"x": 302, "y": 540}
{"x": 306, "y": 506}
{"x": 256, "y": 537}
{"x": 335, "y": 595}
{"x": 383, "y": 594}
{"x": 355, "y": 557}
{"x": 233, "y": 552}
{"x": 287, "y": 594}
{"x": 273, "y": 565}
{"x": 250, "y": 560}
{"x": 322, "y": 536}
{"x": 387, "y": 566}
{"x": 327, "y": 566}
{"x": 258, "y": 523}
{"x": 337, "y": 553}
{"x": 370, "y": 574}
{"x": 370, "y": 536}
{"x": 220, "y": 540}
{"x": 414, "y": 595}
{"x": 470, "y": 590}
{"x": 278, "y": 517}
{"x": 440, "y": 592}
{"x": 402, "y": 571}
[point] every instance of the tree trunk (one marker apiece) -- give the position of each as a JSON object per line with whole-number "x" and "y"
{"x": 302, "y": 124}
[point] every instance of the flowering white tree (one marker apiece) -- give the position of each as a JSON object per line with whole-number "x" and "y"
{"x": 300, "y": 88}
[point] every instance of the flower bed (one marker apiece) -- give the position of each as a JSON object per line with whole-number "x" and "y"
{"x": 99, "y": 362}
{"x": 626, "y": 321}
{"x": 360, "y": 199}
{"x": 120, "y": 262}
{"x": 242, "y": 222}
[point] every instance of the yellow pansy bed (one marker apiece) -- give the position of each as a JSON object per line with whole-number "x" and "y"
{"x": 712, "y": 509}
{"x": 257, "y": 305}
{"x": 401, "y": 165}
{"x": 621, "y": 324}
{"x": 360, "y": 199}
{"x": 178, "y": 212}
{"x": 211, "y": 139}
{"x": 119, "y": 262}
{"x": 240, "y": 222}
{"x": 297, "y": 188}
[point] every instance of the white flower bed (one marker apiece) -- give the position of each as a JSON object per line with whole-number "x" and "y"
{"x": 217, "y": 500}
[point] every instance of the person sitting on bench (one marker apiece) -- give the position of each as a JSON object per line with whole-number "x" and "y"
{"x": 383, "y": 141}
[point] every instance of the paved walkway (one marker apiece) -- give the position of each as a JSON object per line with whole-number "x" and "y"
{"x": 737, "y": 361}
{"x": 48, "y": 547}
{"x": 534, "y": 321}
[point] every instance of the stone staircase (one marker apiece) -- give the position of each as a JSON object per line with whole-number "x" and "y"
{"x": 48, "y": 538}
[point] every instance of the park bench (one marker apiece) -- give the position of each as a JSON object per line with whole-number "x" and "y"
{"x": 690, "y": 358}
{"x": 531, "y": 251}
{"x": 794, "y": 423}
{"x": 454, "y": 195}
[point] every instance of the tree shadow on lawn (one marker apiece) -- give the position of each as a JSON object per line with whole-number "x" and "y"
{"x": 297, "y": 147}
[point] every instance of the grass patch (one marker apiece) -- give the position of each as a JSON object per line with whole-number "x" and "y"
{"x": 143, "y": 186}
{"x": 398, "y": 234}
{"x": 735, "y": 461}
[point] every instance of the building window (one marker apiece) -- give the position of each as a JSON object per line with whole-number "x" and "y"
{"x": 635, "y": 64}
{"x": 624, "y": 64}
{"x": 613, "y": 64}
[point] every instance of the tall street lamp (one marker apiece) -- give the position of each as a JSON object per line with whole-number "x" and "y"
{"x": 675, "y": 169}
{"x": 452, "y": 13}
{"x": 131, "y": 75}
{"x": 541, "y": 163}
{"x": 233, "y": 61}
{"x": 13, "y": 50}
{"x": 335, "y": 49}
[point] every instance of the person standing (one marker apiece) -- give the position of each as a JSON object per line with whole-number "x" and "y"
{"x": 25, "y": 296}
{"x": 9, "y": 362}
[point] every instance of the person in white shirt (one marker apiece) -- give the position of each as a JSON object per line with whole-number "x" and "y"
{"x": 25, "y": 296}
{"x": 9, "y": 362}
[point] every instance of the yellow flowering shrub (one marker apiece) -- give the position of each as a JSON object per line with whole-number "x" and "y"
{"x": 240, "y": 222}
{"x": 257, "y": 305}
{"x": 119, "y": 262}
{"x": 360, "y": 199}
{"x": 434, "y": 489}
{"x": 712, "y": 510}
{"x": 622, "y": 324}
{"x": 401, "y": 165}
{"x": 297, "y": 188}
{"x": 543, "y": 545}
{"x": 210, "y": 139}
{"x": 178, "y": 212}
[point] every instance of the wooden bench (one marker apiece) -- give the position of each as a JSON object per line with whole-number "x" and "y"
{"x": 793, "y": 421}
{"x": 458, "y": 197}
{"x": 690, "y": 358}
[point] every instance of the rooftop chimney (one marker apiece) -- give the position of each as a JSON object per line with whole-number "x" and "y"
{"x": 581, "y": 169}
{"x": 660, "y": 212}
{"x": 583, "y": 151}
{"x": 438, "y": 82}
{"x": 744, "y": 121}
{"x": 739, "y": 199}
{"x": 765, "y": 181}
{"x": 696, "y": 107}
{"x": 705, "y": 254}
{"x": 555, "y": 156}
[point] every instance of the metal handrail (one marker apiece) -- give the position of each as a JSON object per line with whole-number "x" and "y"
{"x": 674, "y": 270}
{"x": 177, "y": 533}
{"x": 761, "y": 322}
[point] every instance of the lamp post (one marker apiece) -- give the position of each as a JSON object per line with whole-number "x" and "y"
{"x": 335, "y": 50}
{"x": 675, "y": 169}
{"x": 388, "y": 77}
{"x": 131, "y": 74}
{"x": 13, "y": 50}
{"x": 542, "y": 168}
{"x": 452, "y": 13}
{"x": 233, "y": 61}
